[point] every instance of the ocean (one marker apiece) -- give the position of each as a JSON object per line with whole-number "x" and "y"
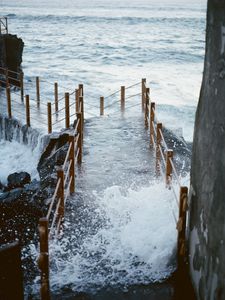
{"x": 106, "y": 44}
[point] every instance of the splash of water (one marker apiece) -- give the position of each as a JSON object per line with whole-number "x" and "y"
{"x": 134, "y": 243}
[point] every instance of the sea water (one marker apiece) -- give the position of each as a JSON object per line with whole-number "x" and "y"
{"x": 106, "y": 44}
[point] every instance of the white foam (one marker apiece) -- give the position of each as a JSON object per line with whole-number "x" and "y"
{"x": 135, "y": 243}
{"x": 16, "y": 157}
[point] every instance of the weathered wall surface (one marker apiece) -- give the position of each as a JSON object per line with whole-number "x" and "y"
{"x": 11, "y": 51}
{"x": 207, "y": 197}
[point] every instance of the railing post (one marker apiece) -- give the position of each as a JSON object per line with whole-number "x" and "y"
{"x": 60, "y": 195}
{"x": 7, "y": 77}
{"x": 21, "y": 86}
{"x": 81, "y": 101}
{"x": 56, "y": 93}
{"x": 72, "y": 168}
{"x": 79, "y": 130}
{"x": 143, "y": 91}
{"x": 49, "y": 117}
{"x": 181, "y": 225}
{"x": 81, "y": 90}
{"x": 101, "y": 106}
{"x": 43, "y": 261}
{"x": 77, "y": 100}
{"x": 122, "y": 98}
{"x": 147, "y": 107}
{"x": 28, "y": 110}
{"x": 67, "y": 110}
{"x": 152, "y": 120}
{"x": 6, "y": 25}
{"x": 8, "y": 95}
{"x": 158, "y": 144}
{"x": 169, "y": 156}
{"x": 38, "y": 91}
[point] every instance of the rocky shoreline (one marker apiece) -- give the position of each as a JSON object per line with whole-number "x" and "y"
{"x": 22, "y": 201}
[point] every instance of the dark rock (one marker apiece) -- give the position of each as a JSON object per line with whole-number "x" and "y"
{"x": 12, "y": 129}
{"x": 207, "y": 205}
{"x": 16, "y": 180}
{"x": 11, "y": 51}
{"x": 1, "y": 186}
{"x": 181, "y": 149}
{"x": 53, "y": 156}
{"x": 20, "y": 212}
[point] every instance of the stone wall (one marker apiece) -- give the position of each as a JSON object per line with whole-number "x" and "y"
{"x": 207, "y": 193}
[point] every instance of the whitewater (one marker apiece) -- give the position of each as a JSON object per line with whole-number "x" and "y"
{"x": 106, "y": 44}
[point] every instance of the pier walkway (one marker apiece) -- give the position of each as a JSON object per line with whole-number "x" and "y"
{"x": 113, "y": 161}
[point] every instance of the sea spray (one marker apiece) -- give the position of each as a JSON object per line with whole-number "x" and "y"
{"x": 134, "y": 244}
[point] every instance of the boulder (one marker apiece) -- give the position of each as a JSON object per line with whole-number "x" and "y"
{"x": 53, "y": 156}
{"x": 181, "y": 149}
{"x": 11, "y": 51}
{"x": 17, "y": 180}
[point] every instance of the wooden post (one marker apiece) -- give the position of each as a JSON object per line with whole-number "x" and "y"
{"x": 38, "y": 91}
{"x": 79, "y": 130}
{"x": 56, "y": 96}
{"x": 72, "y": 168}
{"x": 122, "y": 98}
{"x": 101, "y": 106}
{"x": 143, "y": 92}
{"x": 49, "y": 117}
{"x": 11, "y": 283}
{"x": 169, "y": 155}
{"x": 67, "y": 110}
{"x": 8, "y": 95}
{"x": 43, "y": 261}
{"x": 77, "y": 100}
{"x": 6, "y": 25}
{"x": 147, "y": 116}
{"x": 81, "y": 90}
{"x": 181, "y": 225}
{"x": 6, "y": 77}
{"x": 152, "y": 119}
{"x": 158, "y": 144}
{"x": 81, "y": 101}
{"x": 28, "y": 110}
{"x": 60, "y": 195}
{"x": 21, "y": 86}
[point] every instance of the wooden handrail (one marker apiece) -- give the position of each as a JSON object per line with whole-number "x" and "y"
{"x": 53, "y": 198}
{"x": 156, "y": 137}
{"x": 67, "y": 157}
{"x": 67, "y": 172}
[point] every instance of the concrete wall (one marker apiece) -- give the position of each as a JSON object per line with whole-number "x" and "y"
{"x": 207, "y": 193}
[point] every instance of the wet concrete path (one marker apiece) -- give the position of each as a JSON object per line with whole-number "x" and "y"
{"x": 116, "y": 153}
